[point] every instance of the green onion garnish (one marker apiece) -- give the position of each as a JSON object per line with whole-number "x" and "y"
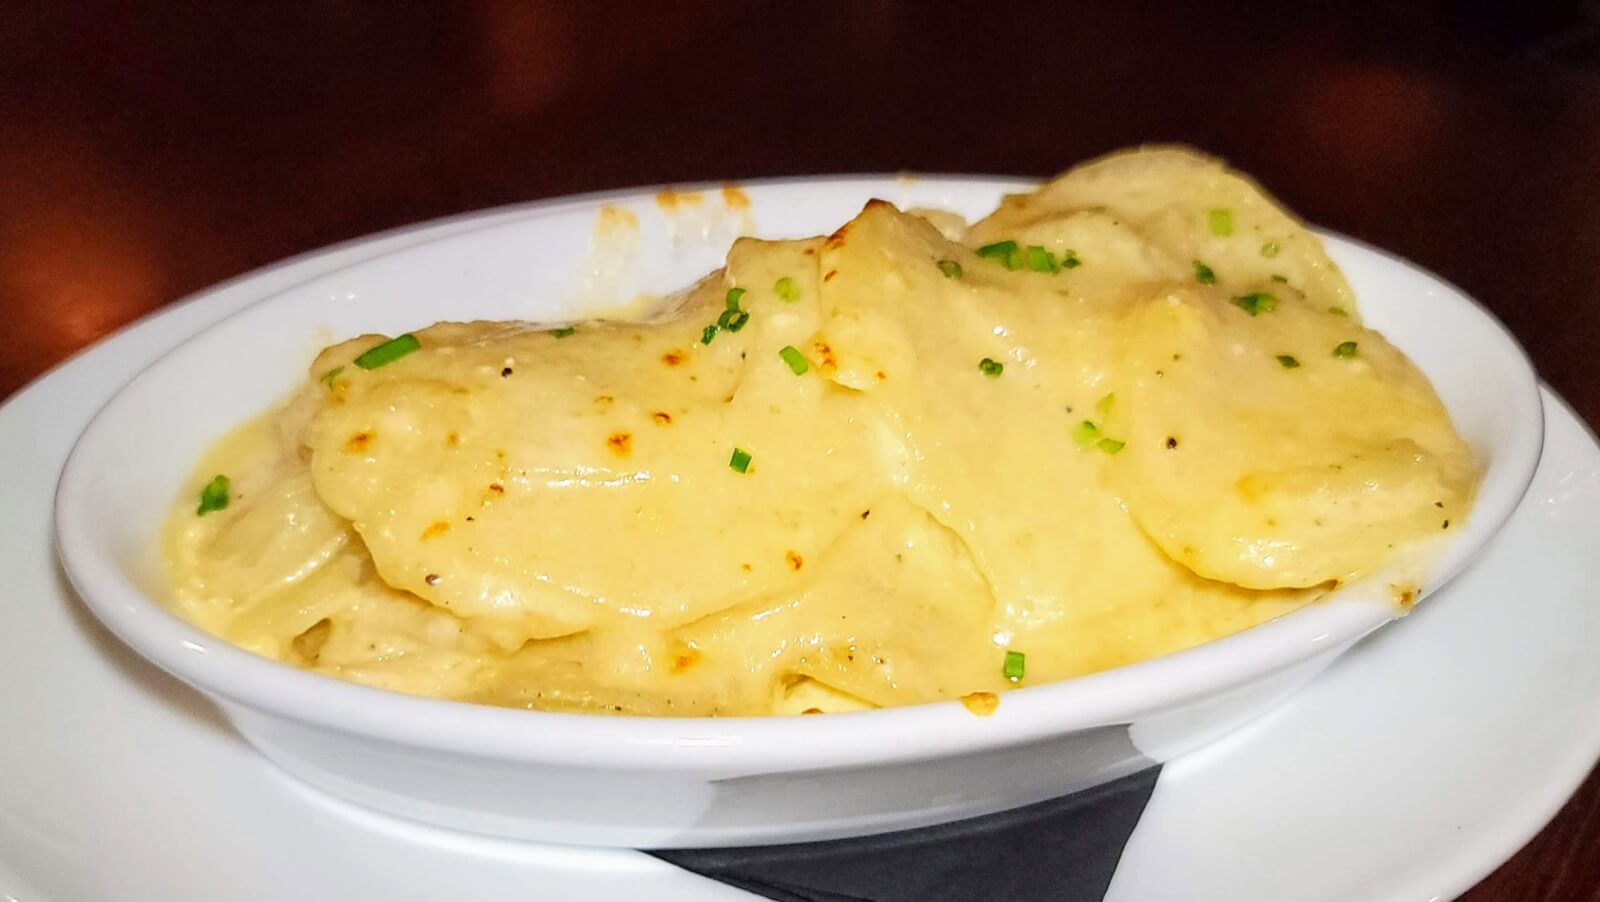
{"x": 1338, "y": 311}
{"x": 1204, "y": 274}
{"x": 733, "y": 320}
{"x": 1220, "y": 222}
{"x": 1103, "y": 406}
{"x": 708, "y": 333}
{"x": 1041, "y": 260}
{"x": 1069, "y": 259}
{"x": 1003, "y": 252}
{"x": 1345, "y": 350}
{"x": 740, "y": 461}
{"x": 330, "y": 375}
{"x": 1256, "y": 303}
{"x": 735, "y": 295}
{"x": 388, "y": 352}
{"x": 1288, "y": 361}
{"x": 1015, "y": 665}
{"x": 950, "y": 268}
{"x": 1085, "y": 434}
{"x": 786, "y": 289}
{"x": 1270, "y": 249}
{"x": 991, "y": 367}
{"x": 796, "y": 360}
{"x": 214, "y": 496}
{"x": 1110, "y": 445}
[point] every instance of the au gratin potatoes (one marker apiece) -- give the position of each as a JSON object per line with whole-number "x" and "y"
{"x": 1129, "y": 412}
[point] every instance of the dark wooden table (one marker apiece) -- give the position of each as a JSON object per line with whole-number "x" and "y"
{"x": 145, "y": 154}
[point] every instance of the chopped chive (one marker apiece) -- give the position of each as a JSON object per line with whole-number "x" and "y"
{"x": 1282, "y": 280}
{"x": 1270, "y": 249}
{"x": 330, "y": 375}
{"x": 1338, "y": 311}
{"x": 1110, "y": 445}
{"x": 1016, "y": 664}
{"x": 1256, "y": 303}
{"x": 214, "y": 496}
{"x": 950, "y": 268}
{"x": 1003, "y": 252}
{"x": 1041, "y": 260}
{"x": 1085, "y": 434}
{"x": 1069, "y": 259}
{"x": 796, "y": 360}
{"x": 1103, "y": 406}
{"x": 740, "y": 461}
{"x": 388, "y": 352}
{"x": 563, "y": 332}
{"x": 786, "y": 289}
{"x": 1204, "y": 274}
{"x": 1288, "y": 361}
{"x": 1220, "y": 221}
{"x": 708, "y": 333}
{"x": 991, "y": 367}
{"x": 735, "y": 295}
{"x": 733, "y": 320}
{"x": 1345, "y": 350}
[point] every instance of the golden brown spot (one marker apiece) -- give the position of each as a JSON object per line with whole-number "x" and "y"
{"x": 982, "y": 704}
{"x": 877, "y": 202}
{"x": 621, "y": 442}
{"x": 809, "y": 252}
{"x": 361, "y": 441}
{"x": 881, "y": 375}
{"x": 439, "y": 528}
{"x": 794, "y": 559}
{"x": 826, "y": 361}
{"x": 662, "y": 418}
{"x": 308, "y": 645}
{"x": 672, "y": 358}
{"x": 836, "y": 240}
{"x": 604, "y": 400}
{"x": 497, "y": 488}
{"x": 828, "y": 277}
{"x": 812, "y": 711}
{"x": 453, "y": 439}
{"x": 684, "y": 657}
{"x": 431, "y": 579}
{"x": 746, "y": 568}
{"x": 734, "y": 198}
{"x": 500, "y": 453}
{"x": 1406, "y": 595}
{"x": 670, "y": 200}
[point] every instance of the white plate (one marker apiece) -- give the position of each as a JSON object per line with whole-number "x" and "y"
{"x": 116, "y": 782}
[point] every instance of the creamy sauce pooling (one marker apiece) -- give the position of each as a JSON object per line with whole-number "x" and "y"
{"x": 1128, "y": 413}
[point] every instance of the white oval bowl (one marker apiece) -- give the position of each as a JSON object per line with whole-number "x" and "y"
{"x": 668, "y": 782}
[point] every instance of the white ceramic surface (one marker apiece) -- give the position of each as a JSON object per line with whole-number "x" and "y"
{"x": 672, "y": 782}
{"x": 1411, "y": 768}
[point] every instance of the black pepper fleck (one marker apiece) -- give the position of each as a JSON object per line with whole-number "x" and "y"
{"x": 1172, "y": 443}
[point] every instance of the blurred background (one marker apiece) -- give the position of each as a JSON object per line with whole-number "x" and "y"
{"x": 148, "y": 150}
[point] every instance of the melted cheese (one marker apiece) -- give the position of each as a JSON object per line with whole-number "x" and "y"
{"x": 522, "y": 517}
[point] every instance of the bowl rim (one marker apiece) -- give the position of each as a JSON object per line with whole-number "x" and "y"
{"x": 763, "y": 743}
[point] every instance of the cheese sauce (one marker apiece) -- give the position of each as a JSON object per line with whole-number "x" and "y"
{"x": 1129, "y": 413}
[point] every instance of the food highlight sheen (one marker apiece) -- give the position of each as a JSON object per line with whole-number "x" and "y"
{"x": 1130, "y": 412}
